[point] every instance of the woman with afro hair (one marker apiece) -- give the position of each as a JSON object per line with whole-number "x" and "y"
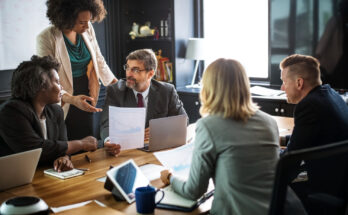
{"x": 71, "y": 40}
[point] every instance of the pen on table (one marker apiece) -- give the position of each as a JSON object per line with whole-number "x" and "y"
{"x": 83, "y": 169}
{"x": 88, "y": 159}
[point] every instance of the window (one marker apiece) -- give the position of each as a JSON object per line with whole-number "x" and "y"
{"x": 239, "y": 30}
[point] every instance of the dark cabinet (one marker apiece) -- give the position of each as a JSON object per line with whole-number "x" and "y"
{"x": 174, "y": 24}
{"x": 272, "y": 106}
{"x": 276, "y": 107}
{"x": 191, "y": 104}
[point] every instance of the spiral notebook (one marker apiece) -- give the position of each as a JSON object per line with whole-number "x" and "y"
{"x": 174, "y": 201}
{"x": 65, "y": 174}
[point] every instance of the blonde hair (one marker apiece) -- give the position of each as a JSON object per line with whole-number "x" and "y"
{"x": 226, "y": 91}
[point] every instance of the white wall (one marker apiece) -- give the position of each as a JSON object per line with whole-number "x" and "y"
{"x": 20, "y": 22}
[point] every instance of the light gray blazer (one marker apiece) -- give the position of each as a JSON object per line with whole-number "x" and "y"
{"x": 239, "y": 157}
{"x": 51, "y": 42}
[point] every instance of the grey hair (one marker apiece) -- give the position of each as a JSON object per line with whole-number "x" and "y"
{"x": 147, "y": 56}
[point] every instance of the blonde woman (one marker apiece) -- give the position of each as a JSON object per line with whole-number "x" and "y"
{"x": 236, "y": 145}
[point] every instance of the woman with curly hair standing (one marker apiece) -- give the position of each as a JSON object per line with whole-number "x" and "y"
{"x": 72, "y": 41}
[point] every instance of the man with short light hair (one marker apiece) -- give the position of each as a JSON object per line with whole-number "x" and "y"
{"x": 300, "y": 74}
{"x": 320, "y": 116}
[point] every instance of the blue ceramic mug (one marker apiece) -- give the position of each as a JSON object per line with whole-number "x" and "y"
{"x": 145, "y": 199}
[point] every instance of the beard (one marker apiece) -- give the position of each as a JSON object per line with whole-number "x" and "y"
{"x": 132, "y": 83}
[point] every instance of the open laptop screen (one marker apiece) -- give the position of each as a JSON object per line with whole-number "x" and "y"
{"x": 18, "y": 169}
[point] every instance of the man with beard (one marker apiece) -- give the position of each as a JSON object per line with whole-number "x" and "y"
{"x": 140, "y": 90}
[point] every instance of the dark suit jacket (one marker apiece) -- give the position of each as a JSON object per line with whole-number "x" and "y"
{"x": 321, "y": 118}
{"x": 163, "y": 101}
{"x": 20, "y": 130}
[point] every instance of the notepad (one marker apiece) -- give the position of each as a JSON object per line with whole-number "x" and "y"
{"x": 174, "y": 201}
{"x": 65, "y": 174}
{"x": 172, "y": 198}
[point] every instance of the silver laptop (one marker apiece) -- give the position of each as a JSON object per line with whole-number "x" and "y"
{"x": 18, "y": 169}
{"x": 167, "y": 132}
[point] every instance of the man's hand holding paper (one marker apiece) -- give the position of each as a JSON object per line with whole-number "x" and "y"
{"x": 113, "y": 148}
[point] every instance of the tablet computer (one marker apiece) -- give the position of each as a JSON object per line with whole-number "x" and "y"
{"x": 123, "y": 179}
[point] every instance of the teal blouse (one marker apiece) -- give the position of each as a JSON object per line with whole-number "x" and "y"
{"x": 79, "y": 56}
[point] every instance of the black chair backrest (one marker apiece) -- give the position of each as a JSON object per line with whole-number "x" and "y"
{"x": 289, "y": 163}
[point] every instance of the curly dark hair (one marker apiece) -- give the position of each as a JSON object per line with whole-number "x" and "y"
{"x": 29, "y": 77}
{"x": 63, "y": 13}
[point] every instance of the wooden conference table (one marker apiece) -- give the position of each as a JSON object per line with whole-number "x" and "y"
{"x": 56, "y": 192}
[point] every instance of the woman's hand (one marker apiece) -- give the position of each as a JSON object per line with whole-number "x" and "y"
{"x": 80, "y": 101}
{"x": 89, "y": 143}
{"x": 165, "y": 176}
{"x": 63, "y": 164}
{"x": 113, "y": 81}
{"x": 112, "y": 148}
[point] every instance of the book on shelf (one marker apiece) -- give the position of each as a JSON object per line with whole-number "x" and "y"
{"x": 162, "y": 70}
{"x": 169, "y": 70}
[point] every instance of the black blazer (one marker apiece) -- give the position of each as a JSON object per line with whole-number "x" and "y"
{"x": 20, "y": 130}
{"x": 163, "y": 101}
{"x": 321, "y": 118}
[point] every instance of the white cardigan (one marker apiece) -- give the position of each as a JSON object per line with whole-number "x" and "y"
{"x": 51, "y": 42}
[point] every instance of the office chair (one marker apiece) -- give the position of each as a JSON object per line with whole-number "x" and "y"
{"x": 327, "y": 168}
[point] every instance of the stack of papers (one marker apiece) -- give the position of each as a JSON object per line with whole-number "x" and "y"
{"x": 263, "y": 91}
{"x": 152, "y": 171}
{"x": 178, "y": 159}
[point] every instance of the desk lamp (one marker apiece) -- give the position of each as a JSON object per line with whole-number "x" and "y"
{"x": 195, "y": 51}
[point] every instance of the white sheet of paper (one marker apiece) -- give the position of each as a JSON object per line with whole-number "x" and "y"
{"x": 77, "y": 205}
{"x": 152, "y": 171}
{"x": 127, "y": 126}
{"x": 102, "y": 179}
{"x": 178, "y": 159}
{"x": 264, "y": 91}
